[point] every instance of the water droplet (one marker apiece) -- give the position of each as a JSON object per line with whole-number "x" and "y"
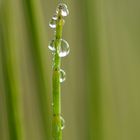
{"x": 62, "y": 76}
{"x": 63, "y": 9}
{"x": 62, "y": 123}
{"x": 52, "y": 104}
{"x": 64, "y": 49}
{"x": 52, "y": 23}
{"x": 55, "y": 16}
{"x": 51, "y": 45}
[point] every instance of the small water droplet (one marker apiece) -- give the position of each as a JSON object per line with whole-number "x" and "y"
{"x": 52, "y": 23}
{"x": 55, "y": 16}
{"x": 51, "y": 45}
{"x": 62, "y": 123}
{"x": 62, "y": 76}
{"x": 63, "y": 9}
{"x": 64, "y": 49}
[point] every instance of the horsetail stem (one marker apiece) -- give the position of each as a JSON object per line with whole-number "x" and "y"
{"x": 60, "y": 48}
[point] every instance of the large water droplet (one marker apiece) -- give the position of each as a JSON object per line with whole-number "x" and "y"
{"x": 64, "y": 49}
{"x": 62, "y": 123}
{"x": 51, "y": 45}
{"x": 63, "y": 9}
{"x": 62, "y": 76}
{"x": 52, "y": 23}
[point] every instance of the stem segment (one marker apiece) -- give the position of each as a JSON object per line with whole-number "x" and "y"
{"x": 57, "y": 132}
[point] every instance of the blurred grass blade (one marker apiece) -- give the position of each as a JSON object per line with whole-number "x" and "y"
{"x": 10, "y": 73}
{"x": 37, "y": 37}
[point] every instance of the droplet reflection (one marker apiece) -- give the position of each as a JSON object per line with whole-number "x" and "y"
{"x": 62, "y": 76}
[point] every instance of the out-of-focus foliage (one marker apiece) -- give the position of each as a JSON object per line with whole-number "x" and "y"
{"x": 100, "y": 97}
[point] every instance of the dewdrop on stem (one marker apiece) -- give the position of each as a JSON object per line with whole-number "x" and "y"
{"x": 55, "y": 16}
{"x": 62, "y": 76}
{"x": 62, "y": 8}
{"x": 52, "y": 23}
{"x": 62, "y": 122}
{"x": 64, "y": 48}
{"x": 51, "y": 45}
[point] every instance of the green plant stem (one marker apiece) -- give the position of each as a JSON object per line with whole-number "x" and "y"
{"x": 57, "y": 132}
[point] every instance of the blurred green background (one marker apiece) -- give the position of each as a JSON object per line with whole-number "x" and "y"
{"x": 101, "y": 94}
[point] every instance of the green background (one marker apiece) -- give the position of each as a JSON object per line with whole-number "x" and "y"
{"x": 101, "y": 94}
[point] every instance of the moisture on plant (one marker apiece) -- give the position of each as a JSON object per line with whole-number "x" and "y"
{"x": 59, "y": 48}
